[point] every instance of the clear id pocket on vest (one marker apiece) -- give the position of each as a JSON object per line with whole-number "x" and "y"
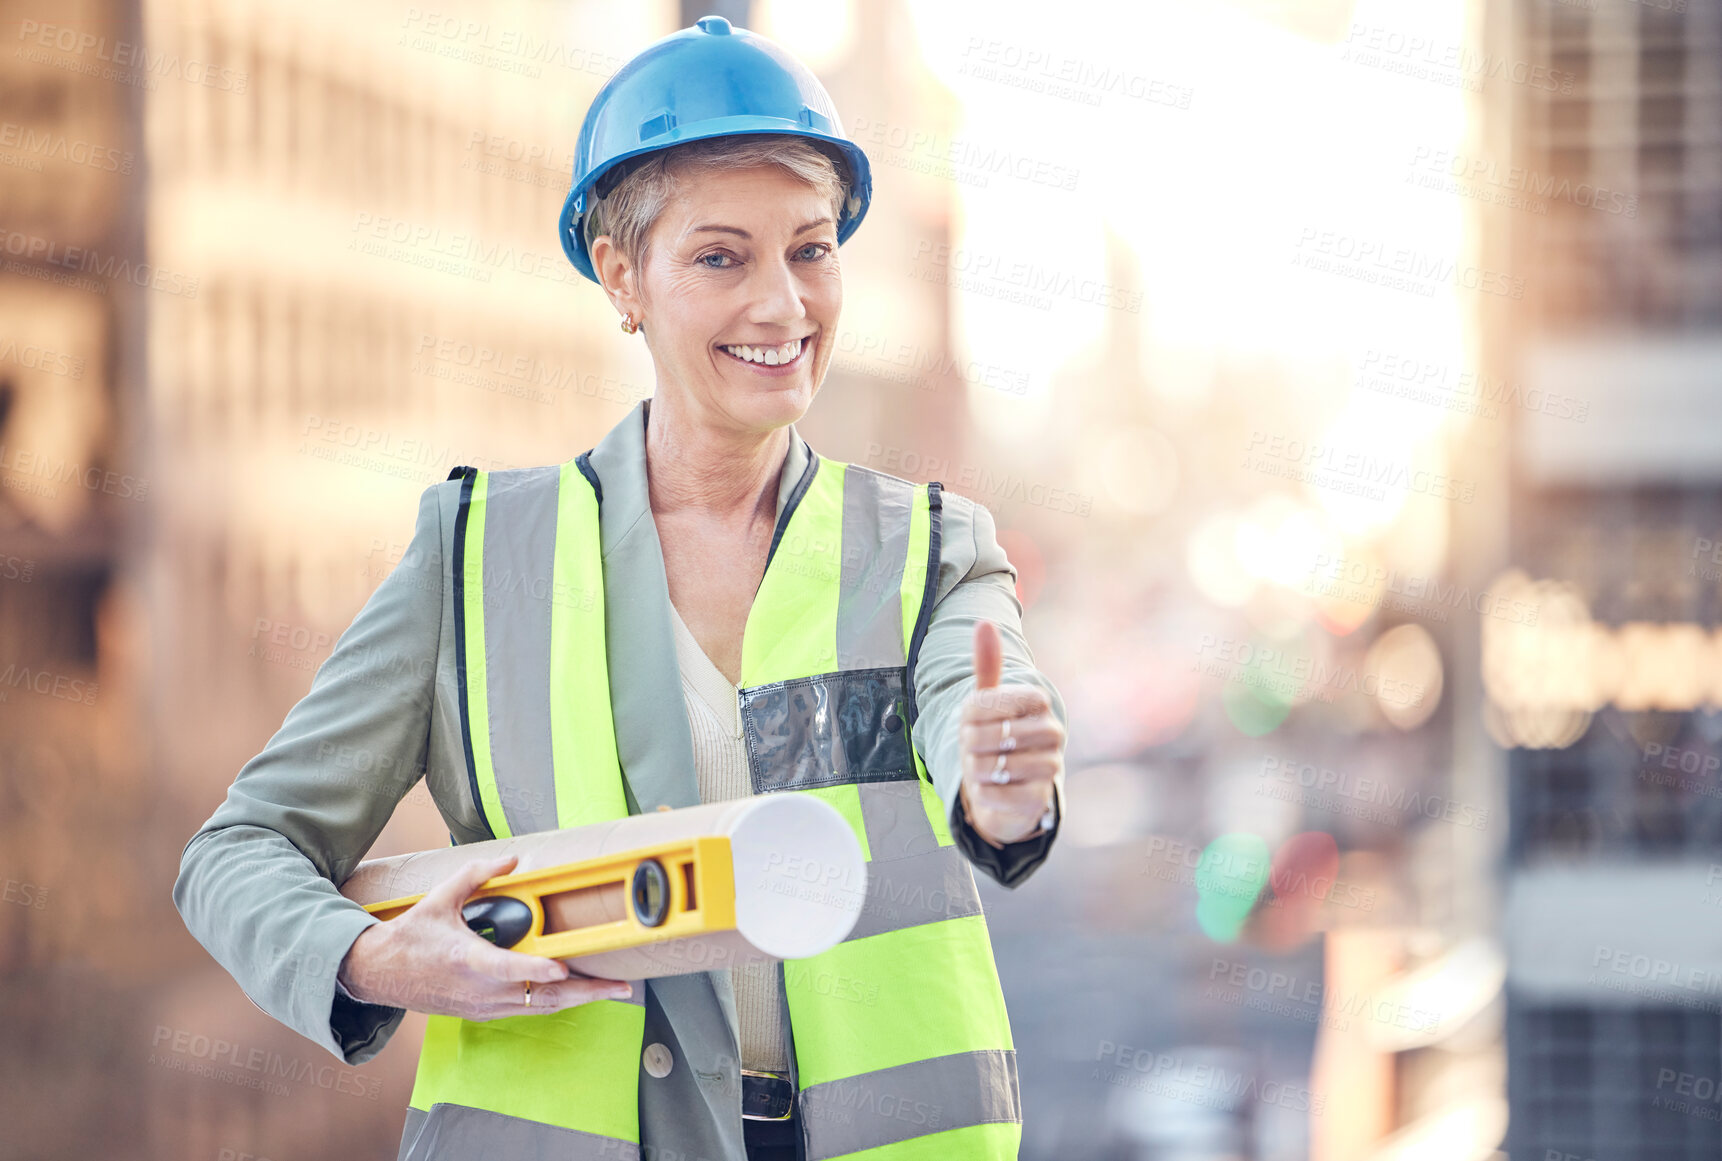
{"x": 831, "y": 729}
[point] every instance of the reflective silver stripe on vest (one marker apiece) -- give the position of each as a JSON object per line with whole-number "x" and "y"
{"x": 896, "y": 821}
{"x": 869, "y": 597}
{"x": 911, "y": 1100}
{"x": 519, "y": 575}
{"x": 908, "y": 892}
{"x": 911, "y": 879}
{"x": 458, "y": 1133}
{"x": 831, "y": 729}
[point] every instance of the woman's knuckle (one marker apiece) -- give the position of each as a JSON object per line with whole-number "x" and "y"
{"x": 466, "y": 958}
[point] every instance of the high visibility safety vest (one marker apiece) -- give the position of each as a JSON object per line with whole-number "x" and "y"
{"x": 912, "y": 1058}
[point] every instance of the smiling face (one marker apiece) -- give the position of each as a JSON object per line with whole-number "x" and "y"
{"x": 739, "y": 292}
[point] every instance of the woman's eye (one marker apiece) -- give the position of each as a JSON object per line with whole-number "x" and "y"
{"x": 820, "y": 249}
{"x": 721, "y": 264}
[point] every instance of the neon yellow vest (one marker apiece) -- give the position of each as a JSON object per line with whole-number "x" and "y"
{"x": 923, "y": 1066}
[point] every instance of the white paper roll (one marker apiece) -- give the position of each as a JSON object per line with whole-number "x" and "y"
{"x": 800, "y": 880}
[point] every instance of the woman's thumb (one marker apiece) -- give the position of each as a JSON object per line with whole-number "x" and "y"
{"x": 989, "y": 655}
{"x": 458, "y": 887}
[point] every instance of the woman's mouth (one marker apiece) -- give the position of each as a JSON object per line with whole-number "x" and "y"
{"x": 783, "y": 359}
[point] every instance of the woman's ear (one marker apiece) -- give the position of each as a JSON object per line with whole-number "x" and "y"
{"x": 616, "y": 276}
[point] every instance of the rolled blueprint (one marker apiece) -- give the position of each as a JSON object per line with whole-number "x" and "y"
{"x": 800, "y": 881}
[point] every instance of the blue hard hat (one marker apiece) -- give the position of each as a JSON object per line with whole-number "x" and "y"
{"x": 711, "y": 80}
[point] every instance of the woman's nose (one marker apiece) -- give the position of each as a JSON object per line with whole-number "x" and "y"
{"x": 777, "y": 293}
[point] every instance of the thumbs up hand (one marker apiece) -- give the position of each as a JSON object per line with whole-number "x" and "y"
{"x": 1013, "y": 749}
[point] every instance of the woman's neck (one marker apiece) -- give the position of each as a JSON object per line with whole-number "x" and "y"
{"x": 692, "y": 468}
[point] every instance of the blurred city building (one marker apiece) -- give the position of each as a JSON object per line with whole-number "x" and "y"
{"x": 1609, "y": 703}
{"x": 82, "y": 920}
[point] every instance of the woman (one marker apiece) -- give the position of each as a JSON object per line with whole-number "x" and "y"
{"x": 829, "y": 630}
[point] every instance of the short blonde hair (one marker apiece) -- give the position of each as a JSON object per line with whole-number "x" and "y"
{"x": 629, "y": 208}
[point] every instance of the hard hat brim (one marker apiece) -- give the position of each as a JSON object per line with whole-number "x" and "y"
{"x": 859, "y": 179}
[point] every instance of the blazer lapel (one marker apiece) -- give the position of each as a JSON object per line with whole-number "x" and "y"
{"x": 653, "y": 739}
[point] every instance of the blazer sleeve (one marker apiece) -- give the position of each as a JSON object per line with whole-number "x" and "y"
{"x": 976, "y": 582}
{"x": 257, "y": 882}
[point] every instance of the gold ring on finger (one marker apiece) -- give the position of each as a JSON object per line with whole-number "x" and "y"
{"x": 1006, "y": 742}
{"x": 527, "y": 999}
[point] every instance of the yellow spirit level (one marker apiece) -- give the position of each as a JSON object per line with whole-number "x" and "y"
{"x": 651, "y": 894}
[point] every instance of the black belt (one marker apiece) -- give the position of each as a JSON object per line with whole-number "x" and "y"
{"x": 766, "y": 1096}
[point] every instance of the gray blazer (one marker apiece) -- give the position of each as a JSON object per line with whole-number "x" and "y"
{"x": 257, "y": 882}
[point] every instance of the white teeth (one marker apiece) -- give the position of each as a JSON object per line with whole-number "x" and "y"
{"x": 769, "y": 356}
